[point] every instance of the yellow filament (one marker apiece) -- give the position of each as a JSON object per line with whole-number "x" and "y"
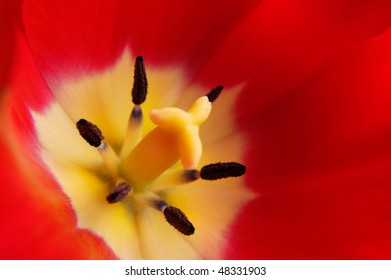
{"x": 110, "y": 159}
{"x": 132, "y": 137}
{"x": 171, "y": 178}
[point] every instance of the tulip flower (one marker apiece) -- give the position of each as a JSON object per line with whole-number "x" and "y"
{"x": 197, "y": 130}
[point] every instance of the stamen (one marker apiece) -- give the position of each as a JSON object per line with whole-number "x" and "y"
{"x": 173, "y": 215}
{"x": 190, "y": 175}
{"x": 140, "y": 83}
{"x": 214, "y": 93}
{"x": 159, "y": 204}
{"x": 90, "y": 132}
{"x": 110, "y": 159}
{"x": 137, "y": 115}
{"x": 172, "y": 178}
{"x": 178, "y": 220}
{"x": 134, "y": 131}
{"x": 151, "y": 199}
{"x": 139, "y": 94}
{"x": 118, "y": 193}
{"x": 93, "y": 135}
{"x": 222, "y": 170}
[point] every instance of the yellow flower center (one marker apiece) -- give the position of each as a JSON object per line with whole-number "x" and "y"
{"x": 147, "y": 185}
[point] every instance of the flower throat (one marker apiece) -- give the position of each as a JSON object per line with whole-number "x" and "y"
{"x": 141, "y": 160}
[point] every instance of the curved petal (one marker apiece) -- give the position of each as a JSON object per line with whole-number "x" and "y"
{"x": 38, "y": 219}
{"x": 9, "y": 18}
{"x": 321, "y": 159}
{"x": 93, "y": 36}
{"x": 282, "y": 43}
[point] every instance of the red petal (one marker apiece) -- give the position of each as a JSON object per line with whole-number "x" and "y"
{"x": 9, "y": 16}
{"x": 37, "y": 220}
{"x": 283, "y": 42}
{"x": 70, "y": 38}
{"x": 320, "y": 157}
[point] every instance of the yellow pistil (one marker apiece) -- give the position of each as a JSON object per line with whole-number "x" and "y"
{"x": 143, "y": 189}
{"x": 175, "y": 137}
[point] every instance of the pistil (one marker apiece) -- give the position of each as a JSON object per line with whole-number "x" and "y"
{"x": 176, "y": 137}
